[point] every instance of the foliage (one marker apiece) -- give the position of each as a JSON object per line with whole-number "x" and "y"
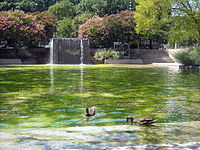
{"x": 122, "y": 27}
{"x": 104, "y": 7}
{"x": 104, "y": 31}
{"x": 19, "y": 28}
{"x": 190, "y": 57}
{"x": 150, "y": 15}
{"x": 104, "y": 54}
{"x": 77, "y": 21}
{"x": 96, "y": 7}
{"x": 115, "y": 6}
{"x": 183, "y": 30}
{"x": 26, "y": 5}
{"x": 64, "y": 28}
{"x": 157, "y": 16}
{"x": 75, "y": 1}
{"x": 63, "y": 9}
{"x": 95, "y": 30}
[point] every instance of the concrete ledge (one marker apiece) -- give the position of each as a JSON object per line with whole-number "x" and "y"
{"x": 192, "y": 68}
{"x": 123, "y": 61}
{"x": 167, "y": 64}
{"x": 29, "y": 61}
{"x": 173, "y": 52}
{"x": 10, "y": 61}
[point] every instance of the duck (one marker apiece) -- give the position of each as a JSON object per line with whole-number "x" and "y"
{"x": 90, "y": 111}
{"x": 141, "y": 121}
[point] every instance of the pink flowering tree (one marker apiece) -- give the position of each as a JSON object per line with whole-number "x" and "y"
{"x": 122, "y": 27}
{"x": 95, "y": 30}
{"x": 116, "y": 27}
{"x": 21, "y": 29}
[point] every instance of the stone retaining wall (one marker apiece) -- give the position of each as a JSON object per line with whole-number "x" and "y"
{"x": 172, "y": 53}
{"x": 10, "y": 61}
{"x": 192, "y": 68}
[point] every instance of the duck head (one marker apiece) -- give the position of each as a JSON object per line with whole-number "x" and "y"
{"x": 129, "y": 118}
{"x": 90, "y": 111}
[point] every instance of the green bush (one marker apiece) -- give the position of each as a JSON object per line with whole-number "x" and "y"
{"x": 107, "y": 54}
{"x": 190, "y": 57}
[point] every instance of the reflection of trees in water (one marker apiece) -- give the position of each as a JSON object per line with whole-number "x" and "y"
{"x": 115, "y": 91}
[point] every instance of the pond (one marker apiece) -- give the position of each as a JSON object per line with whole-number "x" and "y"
{"x": 44, "y": 106}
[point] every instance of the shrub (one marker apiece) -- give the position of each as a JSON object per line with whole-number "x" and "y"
{"x": 95, "y": 30}
{"x": 106, "y": 30}
{"x": 104, "y": 54}
{"x": 64, "y": 28}
{"x": 19, "y": 28}
{"x": 190, "y": 57}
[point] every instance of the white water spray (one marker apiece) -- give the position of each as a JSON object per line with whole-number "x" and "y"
{"x": 82, "y": 57}
{"x": 51, "y": 52}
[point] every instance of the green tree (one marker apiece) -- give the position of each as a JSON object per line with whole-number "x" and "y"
{"x": 103, "y": 7}
{"x": 115, "y": 6}
{"x": 160, "y": 16}
{"x": 183, "y": 31}
{"x": 75, "y": 1}
{"x": 26, "y": 5}
{"x": 63, "y": 9}
{"x": 78, "y": 20}
{"x": 92, "y": 6}
{"x": 64, "y": 28}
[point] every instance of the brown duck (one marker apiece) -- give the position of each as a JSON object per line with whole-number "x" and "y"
{"x": 90, "y": 111}
{"x": 141, "y": 121}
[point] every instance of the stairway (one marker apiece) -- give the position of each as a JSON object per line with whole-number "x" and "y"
{"x": 149, "y": 56}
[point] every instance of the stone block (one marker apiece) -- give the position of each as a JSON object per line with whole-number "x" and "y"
{"x": 10, "y": 61}
{"x": 123, "y": 61}
{"x": 29, "y": 61}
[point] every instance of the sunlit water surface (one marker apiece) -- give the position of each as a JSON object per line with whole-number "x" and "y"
{"x": 44, "y": 106}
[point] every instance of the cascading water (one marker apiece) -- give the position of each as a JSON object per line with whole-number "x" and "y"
{"x": 82, "y": 55}
{"x": 51, "y": 53}
{"x": 69, "y": 51}
{"x": 81, "y": 66}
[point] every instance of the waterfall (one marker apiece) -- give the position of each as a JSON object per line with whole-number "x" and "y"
{"x": 69, "y": 51}
{"x": 82, "y": 56}
{"x": 51, "y": 52}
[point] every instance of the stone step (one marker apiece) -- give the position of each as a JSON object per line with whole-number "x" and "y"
{"x": 10, "y": 61}
{"x": 123, "y": 61}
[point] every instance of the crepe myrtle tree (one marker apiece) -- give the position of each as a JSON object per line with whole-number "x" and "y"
{"x": 106, "y": 30}
{"x": 21, "y": 29}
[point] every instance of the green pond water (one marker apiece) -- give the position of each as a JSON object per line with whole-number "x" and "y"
{"x": 47, "y": 103}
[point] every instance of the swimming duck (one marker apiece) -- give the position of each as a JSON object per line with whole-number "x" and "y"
{"x": 141, "y": 121}
{"x": 90, "y": 111}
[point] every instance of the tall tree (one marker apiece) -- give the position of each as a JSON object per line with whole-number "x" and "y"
{"x": 26, "y": 5}
{"x": 63, "y": 9}
{"x": 115, "y": 6}
{"x": 154, "y": 17}
{"x": 75, "y": 1}
{"x": 92, "y": 6}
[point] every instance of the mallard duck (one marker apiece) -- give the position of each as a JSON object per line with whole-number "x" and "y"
{"x": 141, "y": 121}
{"x": 90, "y": 111}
